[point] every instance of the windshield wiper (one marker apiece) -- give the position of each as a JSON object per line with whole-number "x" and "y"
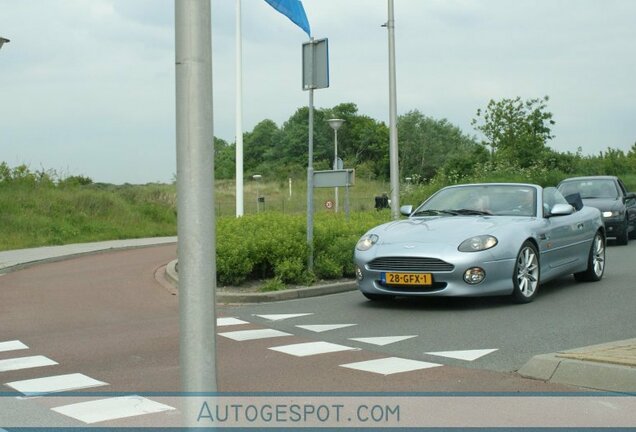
{"x": 471, "y": 212}
{"x": 434, "y": 212}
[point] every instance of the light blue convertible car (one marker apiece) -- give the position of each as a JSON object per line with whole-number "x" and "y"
{"x": 480, "y": 240}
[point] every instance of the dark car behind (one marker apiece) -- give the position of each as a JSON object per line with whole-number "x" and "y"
{"x": 610, "y": 196}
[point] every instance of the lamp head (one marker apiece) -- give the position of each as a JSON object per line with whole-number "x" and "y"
{"x": 335, "y": 123}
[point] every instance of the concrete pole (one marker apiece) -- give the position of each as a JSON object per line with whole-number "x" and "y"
{"x": 394, "y": 167}
{"x": 195, "y": 192}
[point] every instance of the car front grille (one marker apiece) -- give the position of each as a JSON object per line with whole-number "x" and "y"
{"x": 410, "y": 264}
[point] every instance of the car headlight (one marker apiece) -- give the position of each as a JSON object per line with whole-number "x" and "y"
{"x": 478, "y": 243}
{"x": 608, "y": 214}
{"x": 367, "y": 241}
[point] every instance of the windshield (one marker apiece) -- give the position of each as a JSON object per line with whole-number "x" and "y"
{"x": 499, "y": 200}
{"x": 589, "y": 189}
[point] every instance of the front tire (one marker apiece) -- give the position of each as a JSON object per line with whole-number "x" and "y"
{"x": 595, "y": 261}
{"x": 525, "y": 278}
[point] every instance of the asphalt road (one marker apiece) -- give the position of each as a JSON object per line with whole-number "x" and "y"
{"x": 106, "y": 316}
{"x": 565, "y": 315}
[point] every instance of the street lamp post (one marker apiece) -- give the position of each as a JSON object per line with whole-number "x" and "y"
{"x": 257, "y": 178}
{"x": 335, "y": 125}
{"x": 394, "y": 169}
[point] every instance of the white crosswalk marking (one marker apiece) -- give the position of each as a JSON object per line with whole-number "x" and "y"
{"x": 55, "y": 384}
{"x": 12, "y": 346}
{"x": 221, "y": 322}
{"x": 25, "y": 363}
{"x": 279, "y": 317}
{"x": 111, "y": 409}
{"x": 468, "y": 355}
{"x": 319, "y": 328}
{"x": 390, "y": 365}
{"x": 312, "y": 348}
{"x": 244, "y": 335}
{"x": 383, "y": 340}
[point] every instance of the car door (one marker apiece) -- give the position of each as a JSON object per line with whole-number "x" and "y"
{"x": 566, "y": 236}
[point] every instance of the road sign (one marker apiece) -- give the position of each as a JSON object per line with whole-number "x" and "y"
{"x": 315, "y": 64}
{"x": 334, "y": 178}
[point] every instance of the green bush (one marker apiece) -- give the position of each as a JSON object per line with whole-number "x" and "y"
{"x": 274, "y": 246}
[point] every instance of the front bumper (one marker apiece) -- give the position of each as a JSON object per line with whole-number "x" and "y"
{"x": 450, "y": 282}
{"x": 614, "y": 226}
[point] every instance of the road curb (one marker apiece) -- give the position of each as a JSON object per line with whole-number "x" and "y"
{"x": 226, "y": 297}
{"x": 582, "y": 367}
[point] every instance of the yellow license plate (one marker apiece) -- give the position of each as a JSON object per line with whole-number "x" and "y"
{"x": 407, "y": 278}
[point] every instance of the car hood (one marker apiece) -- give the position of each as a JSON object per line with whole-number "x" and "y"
{"x": 604, "y": 204}
{"x": 454, "y": 229}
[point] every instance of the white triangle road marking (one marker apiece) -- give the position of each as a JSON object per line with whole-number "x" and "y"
{"x": 383, "y": 340}
{"x": 319, "y": 328}
{"x": 279, "y": 317}
{"x": 468, "y": 355}
{"x": 390, "y": 365}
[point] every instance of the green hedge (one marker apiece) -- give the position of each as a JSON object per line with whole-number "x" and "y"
{"x": 274, "y": 246}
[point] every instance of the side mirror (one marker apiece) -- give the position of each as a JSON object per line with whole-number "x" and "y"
{"x": 406, "y": 210}
{"x": 561, "y": 210}
{"x": 630, "y": 195}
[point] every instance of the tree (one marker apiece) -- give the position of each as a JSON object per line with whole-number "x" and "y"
{"x": 260, "y": 145}
{"x": 426, "y": 145}
{"x": 224, "y": 159}
{"x": 363, "y": 143}
{"x": 515, "y": 130}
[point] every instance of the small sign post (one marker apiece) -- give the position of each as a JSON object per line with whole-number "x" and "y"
{"x": 315, "y": 76}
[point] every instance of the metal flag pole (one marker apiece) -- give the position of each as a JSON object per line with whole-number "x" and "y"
{"x": 239, "y": 113}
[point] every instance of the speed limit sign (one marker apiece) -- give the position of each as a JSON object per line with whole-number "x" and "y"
{"x": 329, "y": 204}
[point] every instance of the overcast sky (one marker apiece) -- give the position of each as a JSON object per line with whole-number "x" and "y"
{"x": 87, "y": 86}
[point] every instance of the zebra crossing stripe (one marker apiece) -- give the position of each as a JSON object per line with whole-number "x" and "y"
{"x": 222, "y": 322}
{"x": 244, "y": 335}
{"x": 25, "y": 363}
{"x": 279, "y": 317}
{"x": 12, "y": 346}
{"x": 312, "y": 348}
{"x": 111, "y": 409}
{"x": 55, "y": 384}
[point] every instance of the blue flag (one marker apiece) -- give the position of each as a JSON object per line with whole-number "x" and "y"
{"x": 292, "y": 9}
